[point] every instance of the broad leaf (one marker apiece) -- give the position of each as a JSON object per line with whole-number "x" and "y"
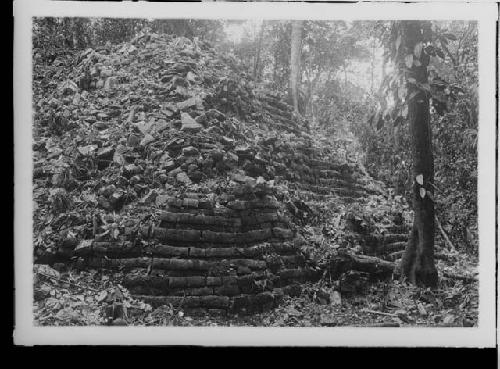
{"x": 450, "y": 36}
{"x": 87, "y": 150}
{"x": 426, "y": 87}
{"x": 371, "y": 119}
{"x": 409, "y": 60}
{"x": 404, "y": 113}
{"x": 440, "y": 53}
{"x": 423, "y": 192}
{"x": 398, "y": 43}
{"x": 398, "y": 121}
{"x": 84, "y": 244}
{"x": 380, "y": 122}
{"x": 417, "y": 50}
{"x": 412, "y": 95}
{"x": 430, "y": 50}
{"x": 420, "y": 179}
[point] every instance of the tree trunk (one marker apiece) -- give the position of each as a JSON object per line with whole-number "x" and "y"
{"x": 345, "y": 75}
{"x": 311, "y": 85}
{"x": 295, "y": 62}
{"x": 275, "y": 65}
{"x": 372, "y": 65}
{"x": 68, "y": 32}
{"x": 256, "y": 67}
{"x": 380, "y": 94}
{"x": 418, "y": 260}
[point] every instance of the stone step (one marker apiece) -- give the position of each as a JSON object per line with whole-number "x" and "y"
{"x": 301, "y": 275}
{"x": 393, "y": 256}
{"x": 193, "y": 267}
{"x": 190, "y": 203}
{"x": 248, "y": 283}
{"x": 321, "y": 202}
{"x": 313, "y": 199}
{"x": 399, "y": 229}
{"x": 222, "y": 224}
{"x": 336, "y": 182}
{"x": 173, "y": 264}
{"x": 213, "y": 254}
{"x": 394, "y": 237}
{"x": 196, "y": 219}
{"x": 304, "y": 172}
{"x": 169, "y": 282}
{"x": 207, "y": 207}
{"x": 225, "y": 229}
{"x": 224, "y": 252}
{"x": 385, "y": 248}
{"x": 326, "y": 165}
{"x": 197, "y": 285}
{"x": 231, "y": 294}
{"x": 384, "y": 239}
{"x": 328, "y": 173}
{"x": 246, "y": 303}
{"x": 394, "y": 246}
{"x": 253, "y": 204}
{"x": 191, "y": 237}
{"x": 231, "y": 290}
{"x": 110, "y": 249}
{"x": 339, "y": 191}
{"x": 330, "y": 182}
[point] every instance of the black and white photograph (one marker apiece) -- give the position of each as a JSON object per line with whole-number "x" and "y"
{"x": 284, "y": 170}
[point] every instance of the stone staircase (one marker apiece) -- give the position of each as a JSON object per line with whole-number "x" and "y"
{"x": 233, "y": 253}
{"x": 389, "y": 246}
{"x": 322, "y": 181}
{"x": 239, "y": 251}
{"x": 236, "y": 249}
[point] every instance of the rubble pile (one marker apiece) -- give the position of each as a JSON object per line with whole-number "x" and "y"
{"x": 161, "y": 157}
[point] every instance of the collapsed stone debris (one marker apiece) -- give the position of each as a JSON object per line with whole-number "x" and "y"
{"x": 161, "y": 159}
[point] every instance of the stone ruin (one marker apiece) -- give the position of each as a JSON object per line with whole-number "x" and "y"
{"x": 236, "y": 252}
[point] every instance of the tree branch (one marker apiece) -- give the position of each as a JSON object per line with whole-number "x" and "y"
{"x": 443, "y": 233}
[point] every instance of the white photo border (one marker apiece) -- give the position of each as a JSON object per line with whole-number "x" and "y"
{"x": 26, "y": 333}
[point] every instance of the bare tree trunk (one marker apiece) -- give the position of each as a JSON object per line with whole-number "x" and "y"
{"x": 295, "y": 62}
{"x": 418, "y": 260}
{"x": 345, "y": 74}
{"x": 68, "y": 32}
{"x": 384, "y": 64}
{"x": 372, "y": 65}
{"x": 311, "y": 86}
{"x": 275, "y": 65}
{"x": 256, "y": 74}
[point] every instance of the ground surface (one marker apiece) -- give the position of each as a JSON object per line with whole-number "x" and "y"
{"x": 80, "y": 299}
